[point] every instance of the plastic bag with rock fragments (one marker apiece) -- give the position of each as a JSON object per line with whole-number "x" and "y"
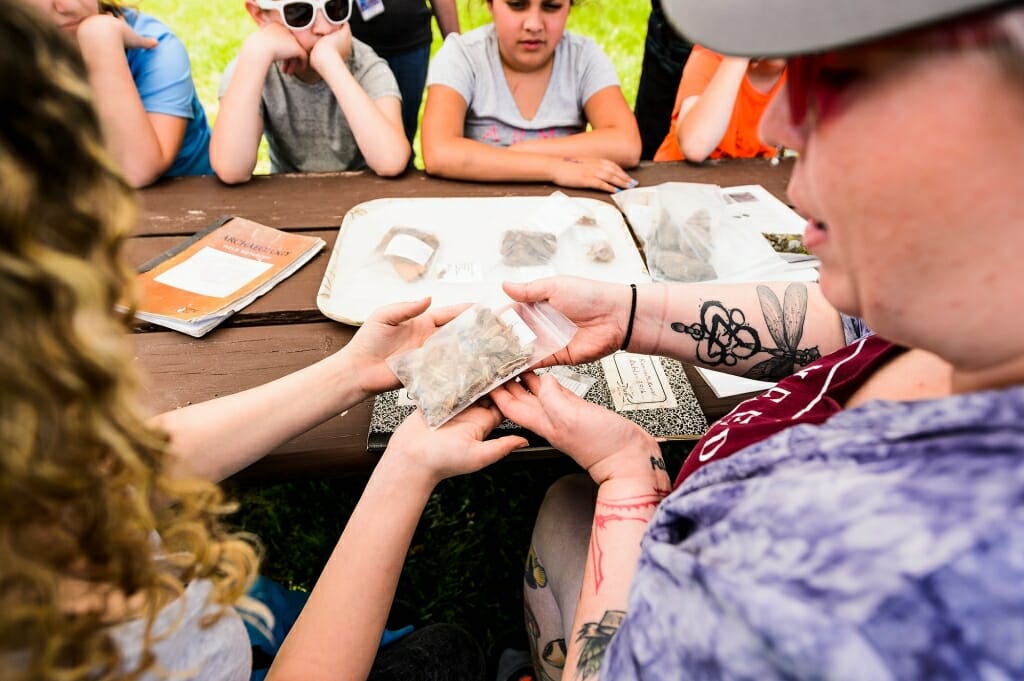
{"x": 488, "y": 344}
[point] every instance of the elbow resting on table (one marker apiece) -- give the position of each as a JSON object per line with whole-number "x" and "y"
{"x": 391, "y": 167}
{"x": 140, "y": 173}
{"x": 231, "y": 175}
{"x": 696, "y": 151}
{"x": 438, "y": 160}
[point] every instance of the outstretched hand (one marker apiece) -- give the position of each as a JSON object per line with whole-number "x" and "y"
{"x": 601, "y": 441}
{"x": 599, "y": 310}
{"x": 391, "y": 330}
{"x": 456, "y": 448}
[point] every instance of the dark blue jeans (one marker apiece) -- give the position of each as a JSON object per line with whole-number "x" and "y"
{"x": 410, "y": 69}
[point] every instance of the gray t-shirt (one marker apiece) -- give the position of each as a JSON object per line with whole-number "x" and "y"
{"x": 470, "y": 65}
{"x": 220, "y": 652}
{"x": 303, "y": 123}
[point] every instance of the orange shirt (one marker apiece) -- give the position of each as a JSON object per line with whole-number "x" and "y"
{"x": 741, "y": 139}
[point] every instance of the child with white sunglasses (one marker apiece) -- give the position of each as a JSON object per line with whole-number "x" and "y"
{"x": 324, "y": 100}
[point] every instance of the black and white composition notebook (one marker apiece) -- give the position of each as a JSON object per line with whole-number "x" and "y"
{"x": 653, "y": 392}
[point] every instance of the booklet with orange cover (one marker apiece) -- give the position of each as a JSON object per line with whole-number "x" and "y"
{"x": 199, "y": 283}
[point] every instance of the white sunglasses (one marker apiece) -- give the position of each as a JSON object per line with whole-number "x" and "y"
{"x": 300, "y": 14}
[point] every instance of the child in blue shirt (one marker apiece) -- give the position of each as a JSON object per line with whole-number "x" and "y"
{"x": 141, "y": 78}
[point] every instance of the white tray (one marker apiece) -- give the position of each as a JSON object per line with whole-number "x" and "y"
{"x": 470, "y": 230}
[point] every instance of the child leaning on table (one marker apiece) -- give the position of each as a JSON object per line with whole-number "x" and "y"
{"x": 511, "y": 101}
{"x": 719, "y": 106}
{"x": 324, "y": 100}
{"x": 153, "y": 122}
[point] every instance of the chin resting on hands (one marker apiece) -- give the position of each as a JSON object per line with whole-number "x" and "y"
{"x": 334, "y": 44}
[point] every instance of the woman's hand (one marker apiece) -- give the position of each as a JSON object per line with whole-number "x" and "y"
{"x": 456, "y": 448}
{"x": 391, "y": 330}
{"x": 599, "y": 310}
{"x": 605, "y": 444}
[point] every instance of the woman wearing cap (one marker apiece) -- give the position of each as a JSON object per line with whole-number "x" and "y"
{"x": 884, "y": 541}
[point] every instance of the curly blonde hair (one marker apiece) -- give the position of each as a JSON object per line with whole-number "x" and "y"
{"x": 83, "y": 484}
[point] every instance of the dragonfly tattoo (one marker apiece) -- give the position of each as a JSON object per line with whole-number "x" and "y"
{"x": 725, "y": 338}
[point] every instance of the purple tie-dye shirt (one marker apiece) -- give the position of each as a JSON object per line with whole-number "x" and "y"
{"x": 886, "y": 543}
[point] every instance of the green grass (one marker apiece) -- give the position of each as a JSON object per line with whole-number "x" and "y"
{"x": 465, "y": 563}
{"x": 213, "y": 31}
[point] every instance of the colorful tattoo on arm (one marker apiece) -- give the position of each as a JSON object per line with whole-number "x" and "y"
{"x": 724, "y": 338}
{"x": 534, "y": 575}
{"x": 594, "y": 637}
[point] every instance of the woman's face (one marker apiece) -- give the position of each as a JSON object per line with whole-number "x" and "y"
{"x": 68, "y": 14}
{"x": 529, "y": 31}
{"x": 905, "y": 171}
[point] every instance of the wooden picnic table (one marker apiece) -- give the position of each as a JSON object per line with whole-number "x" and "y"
{"x": 284, "y": 330}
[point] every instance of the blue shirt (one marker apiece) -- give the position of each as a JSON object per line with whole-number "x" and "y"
{"x": 885, "y": 543}
{"x": 163, "y": 77}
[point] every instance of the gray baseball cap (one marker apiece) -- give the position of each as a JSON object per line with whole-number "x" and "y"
{"x": 775, "y": 28}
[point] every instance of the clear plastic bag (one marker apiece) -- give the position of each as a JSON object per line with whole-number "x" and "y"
{"x": 680, "y": 244}
{"x": 488, "y": 344}
{"x": 579, "y": 231}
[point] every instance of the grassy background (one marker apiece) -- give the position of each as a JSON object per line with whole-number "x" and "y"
{"x": 465, "y": 564}
{"x": 213, "y": 31}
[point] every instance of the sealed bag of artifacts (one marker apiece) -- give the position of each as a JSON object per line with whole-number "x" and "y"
{"x": 410, "y": 251}
{"x": 488, "y": 344}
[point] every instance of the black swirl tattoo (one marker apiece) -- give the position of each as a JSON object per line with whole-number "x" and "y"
{"x": 724, "y": 337}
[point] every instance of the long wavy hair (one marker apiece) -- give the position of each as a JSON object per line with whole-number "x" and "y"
{"x": 86, "y": 503}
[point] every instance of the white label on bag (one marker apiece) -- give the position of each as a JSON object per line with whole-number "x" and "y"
{"x": 409, "y": 248}
{"x": 519, "y": 327}
{"x": 461, "y": 273}
{"x": 368, "y": 9}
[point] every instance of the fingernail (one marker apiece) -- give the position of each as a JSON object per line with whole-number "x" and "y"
{"x": 632, "y": 183}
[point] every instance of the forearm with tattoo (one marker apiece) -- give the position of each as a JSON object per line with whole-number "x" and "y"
{"x": 724, "y": 337}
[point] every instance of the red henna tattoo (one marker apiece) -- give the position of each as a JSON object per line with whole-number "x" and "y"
{"x": 616, "y": 509}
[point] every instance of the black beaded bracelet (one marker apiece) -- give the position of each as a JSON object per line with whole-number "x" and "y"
{"x": 632, "y": 314}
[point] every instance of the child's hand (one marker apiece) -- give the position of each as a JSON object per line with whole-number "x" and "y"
{"x": 391, "y": 330}
{"x": 279, "y": 44}
{"x": 331, "y": 46}
{"x": 106, "y": 28}
{"x": 456, "y": 448}
{"x": 591, "y": 173}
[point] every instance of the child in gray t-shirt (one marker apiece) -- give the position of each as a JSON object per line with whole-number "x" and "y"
{"x": 324, "y": 100}
{"x": 512, "y": 101}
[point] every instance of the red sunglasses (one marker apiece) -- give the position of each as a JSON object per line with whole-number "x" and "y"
{"x": 817, "y": 82}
